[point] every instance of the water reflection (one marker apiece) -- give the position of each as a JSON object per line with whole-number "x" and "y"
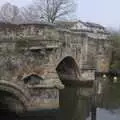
{"x": 109, "y": 103}
{"x": 73, "y": 106}
{"x": 103, "y": 114}
{"x": 111, "y": 97}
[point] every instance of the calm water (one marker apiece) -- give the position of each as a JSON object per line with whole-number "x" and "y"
{"x": 109, "y": 105}
{"x": 76, "y": 107}
{"x": 109, "y": 109}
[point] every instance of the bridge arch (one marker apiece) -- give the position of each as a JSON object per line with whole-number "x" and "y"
{"x": 68, "y": 72}
{"x": 68, "y": 69}
{"x": 12, "y": 98}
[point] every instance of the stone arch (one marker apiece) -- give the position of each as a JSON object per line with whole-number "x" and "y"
{"x": 12, "y": 98}
{"x": 68, "y": 69}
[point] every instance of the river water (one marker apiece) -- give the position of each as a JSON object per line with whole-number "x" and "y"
{"x": 108, "y": 108}
{"x": 74, "y": 106}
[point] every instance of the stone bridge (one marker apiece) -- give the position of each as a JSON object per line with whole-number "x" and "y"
{"x": 35, "y": 59}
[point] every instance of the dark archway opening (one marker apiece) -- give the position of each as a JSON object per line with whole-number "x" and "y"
{"x": 68, "y": 72}
{"x": 68, "y": 69}
{"x": 10, "y": 106}
{"x": 6, "y": 113}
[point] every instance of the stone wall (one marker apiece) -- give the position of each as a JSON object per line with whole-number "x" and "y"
{"x": 82, "y": 46}
{"x": 45, "y": 45}
{"x": 37, "y": 49}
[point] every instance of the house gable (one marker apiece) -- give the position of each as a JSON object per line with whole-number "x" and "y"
{"x": 79, "y": 26}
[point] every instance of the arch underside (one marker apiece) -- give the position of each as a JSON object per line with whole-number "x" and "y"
{"x": 9, "y": 102}
{"x": 12, "y": 99}
{"x": 67, "y": 69}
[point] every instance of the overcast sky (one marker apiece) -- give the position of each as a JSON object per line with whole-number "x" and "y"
{"x": 16, "y": 2}
{"x": 105, "y": 12}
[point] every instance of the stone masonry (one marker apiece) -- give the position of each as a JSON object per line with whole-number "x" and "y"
{"x": 34, "y": 58}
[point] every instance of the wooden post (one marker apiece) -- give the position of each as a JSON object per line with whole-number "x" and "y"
{"x": 93, "y": 106}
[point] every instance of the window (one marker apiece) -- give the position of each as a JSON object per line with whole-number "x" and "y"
{"x": 33, "y": 79}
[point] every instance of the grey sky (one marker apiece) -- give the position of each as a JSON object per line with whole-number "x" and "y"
{"x": 105, "y": 12}
{"x": 20, "y": 3}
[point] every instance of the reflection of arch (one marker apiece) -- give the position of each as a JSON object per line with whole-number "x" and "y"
{"x": 13, "y": 97}
{"x": 68, "y": 69}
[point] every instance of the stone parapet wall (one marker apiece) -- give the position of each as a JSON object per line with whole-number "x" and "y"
{"x": 83, "y": 46}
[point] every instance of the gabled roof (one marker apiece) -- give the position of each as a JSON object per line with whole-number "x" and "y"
{"x": 70, "y": 24}
{"x": 65, "y": 24}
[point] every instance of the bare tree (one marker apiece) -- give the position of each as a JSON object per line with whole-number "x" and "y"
{"x": 53, "y": 9}
{"x": 30, "y": 14}
{"x": 8, "y": 12}
{"x": 49, "y": 10}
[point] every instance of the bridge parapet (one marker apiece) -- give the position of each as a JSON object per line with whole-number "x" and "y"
{"x": 37, "y": 34}
{"x": 55, "y": 44}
